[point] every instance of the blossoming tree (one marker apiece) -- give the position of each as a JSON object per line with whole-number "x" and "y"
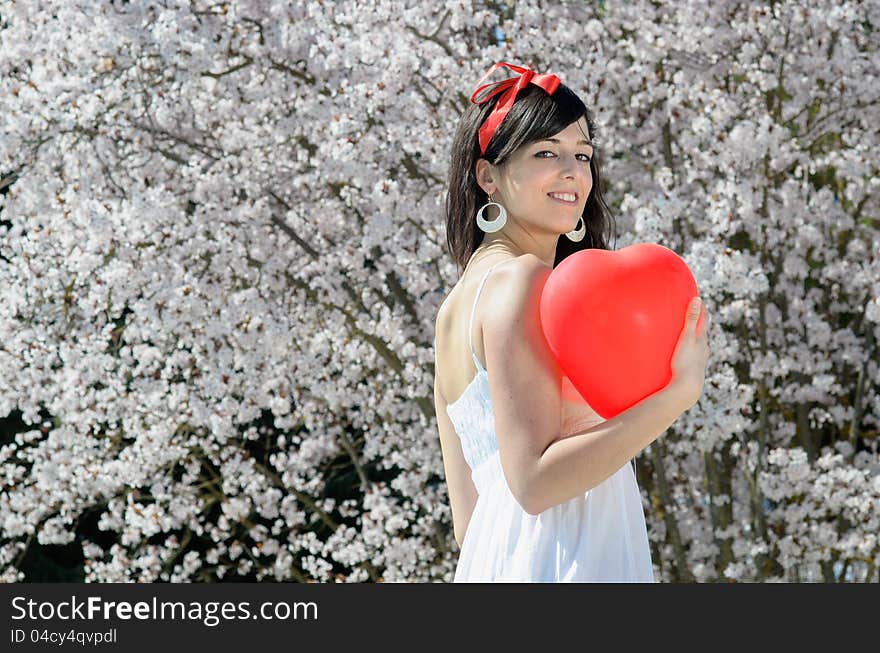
{"x": 223, "y": 252}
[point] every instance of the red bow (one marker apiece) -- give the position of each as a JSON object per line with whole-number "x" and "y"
{"x": 548, "y": 81}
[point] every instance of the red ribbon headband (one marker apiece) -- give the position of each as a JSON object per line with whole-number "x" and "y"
{"x": 548, "y": 81}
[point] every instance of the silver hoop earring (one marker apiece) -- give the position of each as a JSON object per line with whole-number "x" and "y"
{"x": 578, "y": 234}
{"x": 497, "y": 223}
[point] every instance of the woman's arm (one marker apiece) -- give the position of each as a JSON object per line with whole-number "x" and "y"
{"x": 524, "y": 377}
{"x": 572, "y": 465}
{"x": 459, "y": 484}
{"x": 542, "y": 469}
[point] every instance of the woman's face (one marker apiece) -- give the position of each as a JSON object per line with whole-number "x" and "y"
{"x": 536, "y": 169}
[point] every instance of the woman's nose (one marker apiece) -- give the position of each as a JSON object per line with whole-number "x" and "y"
{"x": 572, "y": 167}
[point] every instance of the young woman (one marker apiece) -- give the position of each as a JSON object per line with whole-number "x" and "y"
{"x": 541, "y": 488}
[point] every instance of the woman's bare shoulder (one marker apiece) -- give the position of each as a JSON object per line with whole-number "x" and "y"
{"x": 512, "y": 281}
{"x": 518, "y": 282}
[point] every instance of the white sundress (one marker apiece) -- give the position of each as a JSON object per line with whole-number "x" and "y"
{"x": 598, "y": 537}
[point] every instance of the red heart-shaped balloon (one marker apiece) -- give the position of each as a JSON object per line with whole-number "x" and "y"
{"x": 613, "y": 318}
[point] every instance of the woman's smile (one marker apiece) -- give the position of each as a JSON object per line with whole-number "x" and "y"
{"x": 561, "y": 201}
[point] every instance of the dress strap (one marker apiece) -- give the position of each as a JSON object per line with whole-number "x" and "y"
{"x": 471, "y": 324}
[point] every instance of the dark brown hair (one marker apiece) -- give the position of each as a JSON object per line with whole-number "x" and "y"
{"x": 533, "y": 116}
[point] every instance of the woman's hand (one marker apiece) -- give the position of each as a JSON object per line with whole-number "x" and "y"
{"x": 691, "y": 355}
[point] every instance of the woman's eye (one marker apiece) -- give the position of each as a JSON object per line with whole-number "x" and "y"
{"x": 549, "y": 152}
